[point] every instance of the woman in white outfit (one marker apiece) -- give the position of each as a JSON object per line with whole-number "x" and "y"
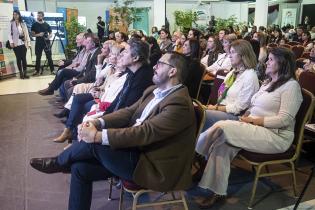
{"x": 267, "y": 127}
{"x": 19, "y": 41}
{"x": 238, "y": 87}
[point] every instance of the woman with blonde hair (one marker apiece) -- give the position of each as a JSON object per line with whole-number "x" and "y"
{"x": 266, "y": 127}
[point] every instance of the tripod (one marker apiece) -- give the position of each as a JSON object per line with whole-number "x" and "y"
{"x": 304, "y": 189}
{"x": 48, "y": 47}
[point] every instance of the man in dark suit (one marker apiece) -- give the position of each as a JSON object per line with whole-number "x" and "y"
{"x": 81, "y": 76}
{"x": 150, "y": 143}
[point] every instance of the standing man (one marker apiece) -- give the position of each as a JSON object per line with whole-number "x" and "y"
{"x": 42, "y": 31}
{"x": 100, "y": 28}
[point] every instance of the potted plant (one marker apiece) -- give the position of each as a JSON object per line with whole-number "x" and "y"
{"x": 185, "y": 19}
{"x": 73, "y": 28}
{"x": 124, "y": 13}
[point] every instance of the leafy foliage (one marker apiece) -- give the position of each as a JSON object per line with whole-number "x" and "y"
{"x": 224, "y": 23}
{"x": 185, "y": 19}
{"x": 126, "y": 13}
{"x": 73, "y": 29}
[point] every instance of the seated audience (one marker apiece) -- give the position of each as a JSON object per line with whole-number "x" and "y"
{"x": 193, "y": 34}
{"x": 261, "y": 38}
{"x": 214, "y": 49}
{"x": 165, "y": 42}
{"x": 191, "y": 50}
{"x": 223, "y": 61}
{"x": 307, "y": 42}
{"x": 80, "y": 75}
{"x": 143, "y": 143}
{"x": 266, "y": 127}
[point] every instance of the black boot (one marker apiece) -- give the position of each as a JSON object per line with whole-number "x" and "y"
{"x": 21, "y": 75}
{"x": 25, "y": 75}
{"x": 64, "y": 113}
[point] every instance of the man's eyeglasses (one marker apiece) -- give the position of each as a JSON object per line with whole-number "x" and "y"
{"x": 158, "y": 63}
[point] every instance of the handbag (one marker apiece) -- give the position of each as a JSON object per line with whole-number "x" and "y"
{"x": 7, "y": 44}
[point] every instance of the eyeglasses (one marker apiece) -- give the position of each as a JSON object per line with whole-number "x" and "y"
{"x": 158, "y": 63}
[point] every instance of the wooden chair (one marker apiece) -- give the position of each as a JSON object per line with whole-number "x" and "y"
{"x": 306, "y": 55}
{"x": 293, "y": 43}
{"x": 259, "y": 161}
{"x": 298, "y": 50}
{"x": 286, "y": 46}
{"x": 219, "y": 78}
{"x": 137, "y": 191}
{"x": 272, "y": 45}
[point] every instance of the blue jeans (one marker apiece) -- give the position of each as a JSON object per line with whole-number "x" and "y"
{"x": 213, "y": 116}
{"x": 93, "y": 162}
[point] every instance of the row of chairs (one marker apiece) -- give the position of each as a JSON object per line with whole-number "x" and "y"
{"x": 258, "y": 161}
{"x": 298, "y": 50}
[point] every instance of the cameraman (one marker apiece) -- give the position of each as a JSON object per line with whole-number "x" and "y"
{"x": 19, "y": 41}
{"x": 42, "y": 31}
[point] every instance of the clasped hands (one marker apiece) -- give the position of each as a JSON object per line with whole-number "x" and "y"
{"x": 87, "y": 132}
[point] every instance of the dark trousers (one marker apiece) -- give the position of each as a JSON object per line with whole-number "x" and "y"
{"x": 93, "y": 162}
{"x": 61, "y": 76}
{"x": 20, "y": 54}
{"x": 39, "y": 47}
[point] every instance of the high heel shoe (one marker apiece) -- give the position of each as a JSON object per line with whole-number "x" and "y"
{"x": 66, "y": 134}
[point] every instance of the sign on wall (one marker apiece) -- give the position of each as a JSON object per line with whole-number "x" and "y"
{"x": 7, "y": 57}
{"x": 288, "y": 16}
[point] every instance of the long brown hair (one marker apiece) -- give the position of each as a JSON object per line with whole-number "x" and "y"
{"x": 286, "y": 62}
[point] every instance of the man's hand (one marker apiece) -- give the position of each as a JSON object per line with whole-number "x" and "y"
{"x": 61, "y": 63}
{"x": 40, "y": 34}
{"x": 87, "y": 132}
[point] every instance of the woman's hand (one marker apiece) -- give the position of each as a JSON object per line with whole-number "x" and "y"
{"x": 247, "y": 119}
{"x": 212, "y": 107}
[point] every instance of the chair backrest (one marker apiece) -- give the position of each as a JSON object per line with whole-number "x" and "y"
{"x": 286, "y": 46}
{"x": 306, "y": 55}
{"x": 298, "y": 50}
{"x": 200, "y": 79}
{"x": 200, "y": 115}
{"x": 304, "y": 113}
{"x": 272, "y": 45}
{"x": 293, "y": 43}
{"x": 307, "y": 81}
{"x": 218, "y": 80}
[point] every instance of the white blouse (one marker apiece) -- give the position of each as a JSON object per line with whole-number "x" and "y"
{"x": 240, "y": 93}
{"x": 278, "y": 107}
{"x": 223, "y": 62}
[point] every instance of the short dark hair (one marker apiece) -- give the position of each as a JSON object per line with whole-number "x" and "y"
{"x": 141, "y": 49}
{"x": 41, "y": 12}
{"x": 179, "y": 61}
{"x": 286, "y": 61}
{"x": 99, "y": 17}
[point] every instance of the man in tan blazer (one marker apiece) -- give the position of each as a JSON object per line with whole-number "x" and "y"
{"x": 150, "y": 143}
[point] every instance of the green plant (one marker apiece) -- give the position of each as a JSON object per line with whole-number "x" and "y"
{"x": 125, "y": 12}
{"x": 225, "y": 23}
{"x": 185, "y": 19}
{"x": 73, "y": 28}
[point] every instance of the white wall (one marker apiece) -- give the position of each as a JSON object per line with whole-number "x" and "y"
{"x": 218, "y": 9}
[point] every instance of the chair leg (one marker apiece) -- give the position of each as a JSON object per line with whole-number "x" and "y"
{"x": 173, "y": 195}
{"x": 251, "y": 201}
{"x": 294, "y": 179}
{"x": 182, "y": 195}
{"x": 135, "y": 199}
{"x": 110, "y": 189}
{"x": 121, "y": 198}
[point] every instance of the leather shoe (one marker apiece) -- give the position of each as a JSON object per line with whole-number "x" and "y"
{"x": 35, "y": 73}
{"x": 63, "y": 113}
{"x": 46, "y": 92}
{"x": 210, "y": 202}
{"x": 66, "y": 134}
{"x": 46, "y": 165}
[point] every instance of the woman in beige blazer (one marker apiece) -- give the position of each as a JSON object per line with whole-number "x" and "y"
{"x": 19, "y": 41}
